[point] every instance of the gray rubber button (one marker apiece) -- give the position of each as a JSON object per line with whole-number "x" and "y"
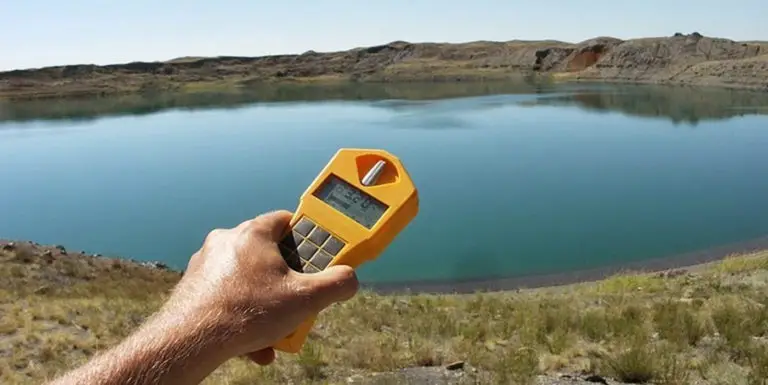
{"x": 306, "y": 250}
{"x": 318, "y": 236}
{"x": 321, "y": 259}
{"x": 333, "y": 246}
{"x": 304, "y": 226}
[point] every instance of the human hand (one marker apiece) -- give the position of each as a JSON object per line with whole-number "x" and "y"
{"x": 237, "y": 297}
{"x": 239, "y": 280}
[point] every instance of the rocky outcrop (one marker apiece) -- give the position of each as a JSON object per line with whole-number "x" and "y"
{"x": 737, "y": 72}
{"x": 590, "y": 52}
{"x": 680, "y": 59}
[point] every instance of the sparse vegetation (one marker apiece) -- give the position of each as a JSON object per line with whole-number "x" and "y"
{"x": 707, "y": 325}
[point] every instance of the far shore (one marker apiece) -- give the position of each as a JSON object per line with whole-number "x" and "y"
{"x": 682, "y": 59}
{"x": 678, "y": 104}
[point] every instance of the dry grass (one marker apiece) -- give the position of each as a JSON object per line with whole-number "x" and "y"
{"x": 709, "y": 326}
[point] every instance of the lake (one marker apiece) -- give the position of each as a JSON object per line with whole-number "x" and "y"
{"x": 515, "y": 180}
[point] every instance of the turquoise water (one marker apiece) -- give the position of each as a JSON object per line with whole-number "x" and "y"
{"x": 511, "y": 183}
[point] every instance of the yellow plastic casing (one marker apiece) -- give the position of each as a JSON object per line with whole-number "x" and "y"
{"x": 394, "y": 188}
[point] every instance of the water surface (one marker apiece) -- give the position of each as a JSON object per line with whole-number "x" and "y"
{"x": 514, "y": 180}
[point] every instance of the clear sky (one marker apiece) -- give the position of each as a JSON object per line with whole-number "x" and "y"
{"x": 39, "y": 33}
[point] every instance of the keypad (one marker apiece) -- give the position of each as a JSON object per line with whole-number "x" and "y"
{"x": 309, "y": 248}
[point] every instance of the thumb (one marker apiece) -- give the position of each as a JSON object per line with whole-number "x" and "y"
{"x": 334, "y": 284}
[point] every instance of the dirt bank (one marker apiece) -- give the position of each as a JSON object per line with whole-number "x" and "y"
{"x": 680, "y": 59}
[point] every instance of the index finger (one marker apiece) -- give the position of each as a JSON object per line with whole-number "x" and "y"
{"x": 274, "y": 224}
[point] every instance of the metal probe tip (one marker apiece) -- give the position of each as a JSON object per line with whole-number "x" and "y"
{"x": 373, "y": 174}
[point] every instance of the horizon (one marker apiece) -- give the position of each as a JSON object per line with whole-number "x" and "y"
{"x": 84, "y": 32}
{"x": 351, "y": 48}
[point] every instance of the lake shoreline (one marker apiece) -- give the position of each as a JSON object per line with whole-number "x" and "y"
{"x": 674, "y": 265}
{"x": 689, "y": 104}
{"x": 190, "y": 88}
{"x": 234, "y": 89}
{"x": 685, "y": 262}
{"x": 692, "y": 60}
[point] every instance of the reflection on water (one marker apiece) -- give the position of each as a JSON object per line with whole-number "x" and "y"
{"x": 688, "y": 105}
{"x": 678, "y": 104}
{"x": 385, "y": 96}
{"x": 445, "y": 114}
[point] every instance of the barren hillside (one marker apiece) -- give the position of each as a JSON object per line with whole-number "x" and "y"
{"x": 680, "y": 59}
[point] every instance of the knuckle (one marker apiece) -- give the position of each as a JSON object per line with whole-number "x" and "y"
{"x": 214, "y": 234}
{"x": 271, "y": 224}
{"x": 282, "y": 213}
{"x": 257, "y": 228}
{"x": 303, "y": 289}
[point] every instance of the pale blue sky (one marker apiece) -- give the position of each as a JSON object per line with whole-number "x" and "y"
{"x": 51, "y": 32}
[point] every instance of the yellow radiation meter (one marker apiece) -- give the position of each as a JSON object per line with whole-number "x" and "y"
{"x": 350, "y": 213}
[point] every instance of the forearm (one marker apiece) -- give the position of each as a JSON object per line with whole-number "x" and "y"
{"x": 236, "y": 298}
{"x": 172, "y": 347}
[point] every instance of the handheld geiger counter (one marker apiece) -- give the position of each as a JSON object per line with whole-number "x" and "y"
{"x": 348, "y": 215}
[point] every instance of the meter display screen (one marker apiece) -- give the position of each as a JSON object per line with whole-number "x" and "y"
{"x": 350, "y": 201}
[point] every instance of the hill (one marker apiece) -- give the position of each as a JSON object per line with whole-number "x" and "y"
{"x": 680, "y": 59}
{"x": 702, "y": 325}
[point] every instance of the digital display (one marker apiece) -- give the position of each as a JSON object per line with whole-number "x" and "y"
{"x": 350, "y": 201}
